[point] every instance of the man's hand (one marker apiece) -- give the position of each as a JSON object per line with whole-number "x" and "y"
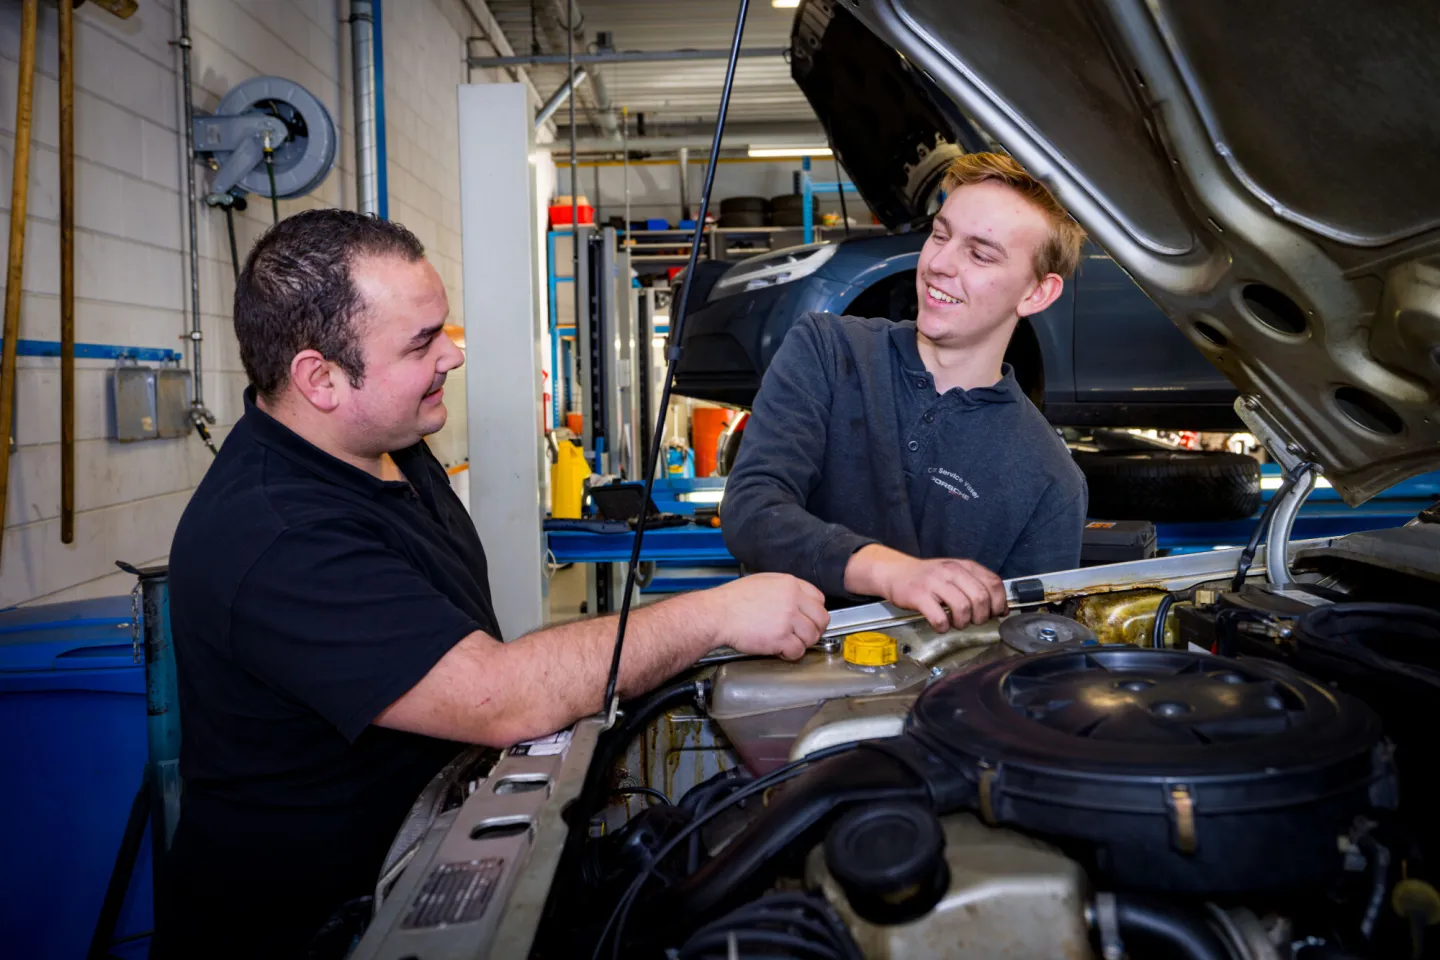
{"x": 767, "y": 614}
{"x": 949, "y": 593}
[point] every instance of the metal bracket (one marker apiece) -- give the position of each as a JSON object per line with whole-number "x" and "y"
{"x": 1107, "y": 924}
{"x": 1277, "y": 542}
{"x": 1282, "y": 449}
{"x": 244, "y": 137}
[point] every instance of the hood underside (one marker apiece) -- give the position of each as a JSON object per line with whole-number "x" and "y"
{"x": 1266, "y": 172}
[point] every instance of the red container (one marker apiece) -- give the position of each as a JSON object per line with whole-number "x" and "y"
{"x": 560, "y": 216}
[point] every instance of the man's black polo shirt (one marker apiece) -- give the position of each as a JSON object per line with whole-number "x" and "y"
{"x": 306, "y": 597}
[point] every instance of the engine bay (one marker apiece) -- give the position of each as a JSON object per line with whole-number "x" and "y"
{"x": 1054, "y": 784}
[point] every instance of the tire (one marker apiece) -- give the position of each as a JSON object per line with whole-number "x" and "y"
{"x": 728, "y": 453}
{"x": 794, "y": 202}
{"x": 791, "y": 218}
{"x": 743, "y": 218}
{"x": 1172, "y": 486}
{"x": 744, "y": 205}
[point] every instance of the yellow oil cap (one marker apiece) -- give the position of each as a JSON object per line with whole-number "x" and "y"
{"x": 871, "y": 649}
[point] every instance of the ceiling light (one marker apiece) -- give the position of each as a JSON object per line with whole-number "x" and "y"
{"x": 790, "y": 151}
{"x": 785, "y": 4}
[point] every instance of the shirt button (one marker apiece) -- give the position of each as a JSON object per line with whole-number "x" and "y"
{"x": 914, "y": 445}
{"x": 919, "y": 383}
{"x": 929, "y": 418}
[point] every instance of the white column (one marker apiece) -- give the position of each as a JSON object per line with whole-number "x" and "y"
{"x": 502, "y": 339}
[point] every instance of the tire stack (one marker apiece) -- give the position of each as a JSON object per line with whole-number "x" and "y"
{"x": 789, "y": 210}
{"x": 744, "y": 212}
{"x": 783, "y": 211}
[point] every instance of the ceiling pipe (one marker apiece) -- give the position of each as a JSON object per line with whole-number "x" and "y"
{"x": 622, "y": 56}
{"x": 558, "y": 98}
{"x": 604, "y": 109}
{"x": 674, "y": 144}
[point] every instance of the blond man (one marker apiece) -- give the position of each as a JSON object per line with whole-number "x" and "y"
{"x": 902, "y": 460}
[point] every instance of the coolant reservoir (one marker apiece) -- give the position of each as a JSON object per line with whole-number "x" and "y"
{"x": 761, "y": 705}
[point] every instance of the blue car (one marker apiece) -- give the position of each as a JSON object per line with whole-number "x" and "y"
{"x": 1103, "y": 356}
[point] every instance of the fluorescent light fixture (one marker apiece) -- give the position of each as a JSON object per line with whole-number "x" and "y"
{"x": 785, "y": 4}
{"x": 702, "y": 496}
{"x": 790, "y": 152}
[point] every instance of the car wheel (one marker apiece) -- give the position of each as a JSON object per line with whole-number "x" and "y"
{"x": 744, "y": 205}
{"x": 726, "y": 461}
{"x": 1171, "y": 486}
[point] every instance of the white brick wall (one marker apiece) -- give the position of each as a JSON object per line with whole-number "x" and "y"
{"x": 132, "y": 279}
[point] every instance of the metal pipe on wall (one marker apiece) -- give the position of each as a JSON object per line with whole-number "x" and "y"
{"x": 200, "y": 415}
{"x": 382, "y": 168}
{"x": 15, "y": 269}
{"x": 362, "y": 82}
{"x": 67, "y": 273}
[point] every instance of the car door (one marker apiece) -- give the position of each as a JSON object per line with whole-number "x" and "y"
{"x": 1133, "y": 364}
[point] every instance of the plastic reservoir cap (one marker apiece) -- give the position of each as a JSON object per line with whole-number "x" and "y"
{"x": 871, "y": 649}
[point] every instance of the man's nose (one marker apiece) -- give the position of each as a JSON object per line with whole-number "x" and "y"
{"x": 946, "y": 261}
{"x": 452, "y": 358}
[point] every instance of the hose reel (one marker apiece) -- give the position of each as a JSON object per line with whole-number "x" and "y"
{"x": 273, "y": 113}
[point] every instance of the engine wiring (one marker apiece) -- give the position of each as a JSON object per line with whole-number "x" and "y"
{"x": 611, "y": 702}
{"x": 778, "y": 776}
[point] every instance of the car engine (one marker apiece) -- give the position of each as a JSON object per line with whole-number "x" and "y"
{"x": 1036, "y": 789}
{"x": 1166, "y": 758}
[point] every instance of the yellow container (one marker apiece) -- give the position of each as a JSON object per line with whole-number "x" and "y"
{"x": 567, "y": 481}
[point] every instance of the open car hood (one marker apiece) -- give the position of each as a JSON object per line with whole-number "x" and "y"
{"x": 1264, "y": 171}
{"x": 891, "y": 130}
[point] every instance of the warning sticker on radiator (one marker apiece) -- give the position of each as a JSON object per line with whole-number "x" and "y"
{"x": 549, "y": 746}
{"x": 454, "y": 893}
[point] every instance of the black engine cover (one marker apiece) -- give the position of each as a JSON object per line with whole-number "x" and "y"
{"x": 1186, "y": 773}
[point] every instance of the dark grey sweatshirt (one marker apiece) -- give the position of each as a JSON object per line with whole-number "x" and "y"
{"x": 849, "y": 444}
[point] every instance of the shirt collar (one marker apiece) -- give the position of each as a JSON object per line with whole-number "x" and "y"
{"x": 276, "y": 436}
{"x": 903, "y": 336}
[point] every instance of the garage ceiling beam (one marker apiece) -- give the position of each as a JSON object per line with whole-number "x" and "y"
{"x": 621, "y": 56}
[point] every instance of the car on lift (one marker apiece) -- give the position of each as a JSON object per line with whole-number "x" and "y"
{"x": 1225, "y": 755}
{"x": 1103, "y": 356}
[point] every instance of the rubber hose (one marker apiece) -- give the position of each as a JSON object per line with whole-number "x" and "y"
{"x": 1157, "y": 632}
{"x": 638, "y": 715}
{"x": 1178, "y": 930}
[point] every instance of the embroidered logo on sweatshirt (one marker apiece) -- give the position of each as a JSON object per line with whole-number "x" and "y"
{"x": 956, "y": 485}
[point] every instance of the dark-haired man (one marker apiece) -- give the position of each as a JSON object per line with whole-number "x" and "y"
{"x": 334, "y": 632}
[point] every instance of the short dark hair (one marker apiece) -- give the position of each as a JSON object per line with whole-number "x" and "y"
{"x": 296, "y": 292}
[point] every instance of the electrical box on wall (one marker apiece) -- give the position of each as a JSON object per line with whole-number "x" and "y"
{"x": 150, "y": 403}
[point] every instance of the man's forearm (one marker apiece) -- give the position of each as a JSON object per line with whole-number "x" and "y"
{"x": 498, "y": 694}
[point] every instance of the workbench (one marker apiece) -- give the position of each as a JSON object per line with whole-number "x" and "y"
{"x": 692, "y": 557}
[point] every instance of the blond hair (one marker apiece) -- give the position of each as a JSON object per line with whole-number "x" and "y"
{"x": 1060, "y": 254}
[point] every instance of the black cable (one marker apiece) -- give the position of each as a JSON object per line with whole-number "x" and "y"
{"x": 1247, "y": 556}
{"x": 644, "y": 792}
{"x": 760, "y": 785}
{"x": 677, "y": 329}
{"x": 840, "y": 186}
{"x": 1157, "y": 632}
{"x": 270, "y": 172}
{"x": 230, "y": 228}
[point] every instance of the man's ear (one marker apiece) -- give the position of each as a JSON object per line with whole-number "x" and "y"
{"x": 1046, "y": 292}
{"x": 314, "y": 377}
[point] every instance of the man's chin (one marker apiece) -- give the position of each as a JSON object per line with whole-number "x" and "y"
{"x": 433, "y": 420}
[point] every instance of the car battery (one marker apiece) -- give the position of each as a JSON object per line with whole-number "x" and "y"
{"x": 1115, "y": 541}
